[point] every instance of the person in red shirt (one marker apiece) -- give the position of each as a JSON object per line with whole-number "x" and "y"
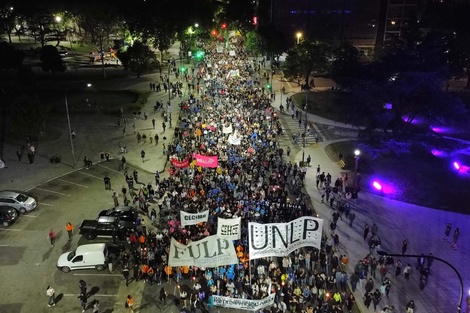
{"x": 52, "y": 236}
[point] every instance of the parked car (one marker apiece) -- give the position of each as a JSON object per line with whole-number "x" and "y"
{"x": 8, "y": 215}
{"x": 19, "y": 200}
{"x": 124, "y": 213}
{"x": 106, "y": 226}
{"x": 84, "y": 257}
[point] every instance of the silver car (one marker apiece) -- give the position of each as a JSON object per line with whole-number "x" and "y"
{"x": 18, "y": 200}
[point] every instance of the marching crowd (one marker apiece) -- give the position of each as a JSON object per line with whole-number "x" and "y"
{"x": 230, "y": 116}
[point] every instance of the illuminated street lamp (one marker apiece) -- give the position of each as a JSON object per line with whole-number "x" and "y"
{"x": 357, "y": 153}
{"x": 58, "y": 19}
{"x": 71, "y": 134}
{"x": 196, "y": 25}
{"x": 298, "y": 35}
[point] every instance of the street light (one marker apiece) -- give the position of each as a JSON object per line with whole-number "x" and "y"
{"x": 70, "y": 127}
{"x": 196, "y": 25}
{"x": 58, "y": 19}
{"x": 298, "y": 35}
{"x": 459, "y": 304}
{"x": 357, "y": 153}
{"x": 305, "y": 130}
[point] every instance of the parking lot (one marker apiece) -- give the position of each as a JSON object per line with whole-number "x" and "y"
{"x": 27, "y": 260}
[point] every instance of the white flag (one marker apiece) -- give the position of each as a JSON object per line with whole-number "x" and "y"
{"x": 229, "y": 228}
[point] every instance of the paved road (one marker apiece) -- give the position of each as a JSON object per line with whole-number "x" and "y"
{"x": 422, "y": 227}
{"x": 27, "y": 262}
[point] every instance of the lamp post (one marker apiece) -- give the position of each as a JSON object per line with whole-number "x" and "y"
{"x": 305, "y": 130}
{"x": 298, "y": 35}
{"x": 69, "y": 125}
{"x": 70, "y": 129}
{"x": 459, "y": 304}
{"x": 357, "y": 154}
{"x": 282, "y": 85}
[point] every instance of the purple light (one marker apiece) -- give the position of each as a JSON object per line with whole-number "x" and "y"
{"x": 438, "y": 153}
{"x": 377, "y": 185}
{"x": 456, "y": 165}
{"x": 442, "y": 130}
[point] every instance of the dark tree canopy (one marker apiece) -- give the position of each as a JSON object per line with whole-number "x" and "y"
{"x": 306, "y": 59}
{"x": 51, "y": 61}
{"x": 138, "y": 59}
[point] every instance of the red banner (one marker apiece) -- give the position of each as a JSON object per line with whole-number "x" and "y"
{"x": 180, "y": 164}
{"x": 206, "y": 161}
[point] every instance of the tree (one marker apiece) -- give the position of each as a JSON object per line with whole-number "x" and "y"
{"x": 254, "y": 43}
{"x": 40, "y": 26}
{"x": 410, "y": 95}
{"x": 10, "y": 57}
{"x": 29, "y": 117}
{"x": 51, "y": 61}
{"x": 7, "y": 19}
{"x": 138, "y": 58}
{"x": 345, "y": 62}
{"x": 306, "y": 59}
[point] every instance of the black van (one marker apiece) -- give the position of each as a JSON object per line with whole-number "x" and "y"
{"x": 8, "y": 215}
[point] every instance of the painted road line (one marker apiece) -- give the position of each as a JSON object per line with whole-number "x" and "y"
{"x": 90, "y": 175}
{"x": 108, "y": 168}
{"x": 69, "y": 182}
{"x": 116, "y": 275}
{"x": 4, "y": 246}
{"x": 51, "y": 191}
{"x": 10, "y": 229}
{"x": 46, "y": 204}
{"x": 29, "y": 215}
{"x": 96, "y": 295}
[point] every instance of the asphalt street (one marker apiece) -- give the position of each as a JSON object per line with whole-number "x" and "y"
{"x": 28, "y": 262}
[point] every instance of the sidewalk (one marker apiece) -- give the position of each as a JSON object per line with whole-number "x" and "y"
{"x": 422, "y": 227}
{"x": 99, "y": 133}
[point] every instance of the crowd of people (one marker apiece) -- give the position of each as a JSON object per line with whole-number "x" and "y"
{"x": 229, "y": 115}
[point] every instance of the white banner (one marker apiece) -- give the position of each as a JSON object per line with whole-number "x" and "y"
{"x": 208, "y": 252}
{"x": 193, "y": 218}
{"x": 227, "y": 129}
{"x": 229, "y": 228}
{"x": 235, "y": 139}
{"x": 244, "y": 304}
{"x": 280, "y": 239}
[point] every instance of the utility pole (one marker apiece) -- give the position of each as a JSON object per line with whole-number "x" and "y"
{"x": 102, "y": 53}
{"x": 305, "y": 129}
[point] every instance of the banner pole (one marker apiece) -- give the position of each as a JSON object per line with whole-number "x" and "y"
{"x": 249, "y": 268}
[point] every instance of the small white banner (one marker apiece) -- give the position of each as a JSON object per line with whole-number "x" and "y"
{"x": 233, "y": 73}
{"x": 235, "y": 139}
{"x": 232, "y": 53}
{"x": 244, "y": 304}
{"x": 227, "y": 129}
{"x": 229, "y": 228}
{"x": 193, "y": 218}
{"x": 208, "y": 252}
{"x": 280, "y": 239}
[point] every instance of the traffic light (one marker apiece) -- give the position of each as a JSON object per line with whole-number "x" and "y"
{"x": 199, "y": 55}
{"x": 268, "y": 86}
{"x": 255, "y": 20}
{"x": 214, "y": 33}
{"x": 224, "y": 25}
{"x": 183, "y": 69}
